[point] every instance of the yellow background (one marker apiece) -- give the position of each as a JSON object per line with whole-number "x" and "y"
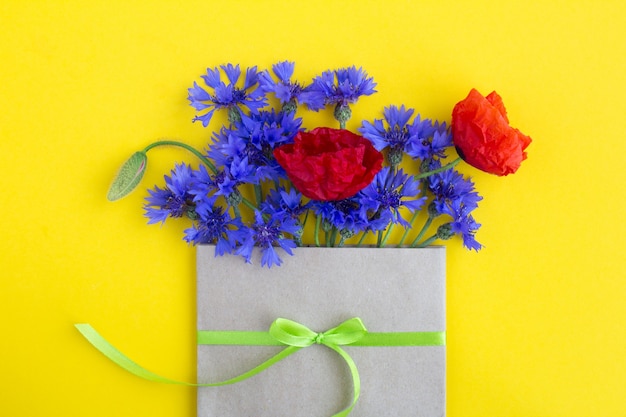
{"x": 535, "y": 320}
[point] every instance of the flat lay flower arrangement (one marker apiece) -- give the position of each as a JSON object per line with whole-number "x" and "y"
{"x": 265, "y": 182}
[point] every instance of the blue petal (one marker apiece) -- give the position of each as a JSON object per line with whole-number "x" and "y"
{"x": 375, "y": 133}
{"x": 283, "y": 93}
{"x": 212, "y": 77}
{"x": 266, "y": 83}
{"x": 287, "y": 245}
{"x": 397, "y": 117}
{"x": 196, "y": 95}
{"x": 255, "y": 105}
{"x": 251, "y": 78}
{"x": 270, "y": 257}
{"x": 284, "y": 70}
{"x": 246, "y": 249}
{"x": 224, "y": 95}
{"x": 156, "y": 215}
{"x": 314, "y": 99}
{"x": 232, "y": 72}
{"x": 204, "y": 118}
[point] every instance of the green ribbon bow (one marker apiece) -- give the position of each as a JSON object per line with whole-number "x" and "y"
{"x": 298, "y": 336}
{"x": 282, "y": 332}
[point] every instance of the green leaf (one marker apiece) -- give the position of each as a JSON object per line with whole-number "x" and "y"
{"x": 128, "y": 177}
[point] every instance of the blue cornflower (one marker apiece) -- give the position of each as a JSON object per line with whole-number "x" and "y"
{"x": 288, "y": 202}
{"x": 396, "y": 136}
{"x": 420, "y": 139}
{"x": 451, "y": 187}
{"x": 226, "y": 96}
{"x": 254, "y": 139}
{"x": 442, "y": 139}
{"x": 463, "y": 224}
{"x": 382, "y": 199}
{"x": 287, "y": 91}
{"x": 214, "y": 225}
{"x": 206, "y": 185}
{"x": 224, "y": 182}
{"x": 174, "y": 200}
{"x": 340, "y": 87}
{"x": 242, "y": 172}
{"x": 265, "y": 233}
{"x": 224, "y": 147}
{"x": 344, "y": 215}
{"x": 455, "y": 196}
{"x": 432, "y": 139}
{"x": 269, "y": 129}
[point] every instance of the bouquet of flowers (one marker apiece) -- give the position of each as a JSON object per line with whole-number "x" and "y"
{"x": 264, "y": 181}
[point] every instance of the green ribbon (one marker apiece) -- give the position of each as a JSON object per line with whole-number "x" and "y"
{"x": 282, "y": 332}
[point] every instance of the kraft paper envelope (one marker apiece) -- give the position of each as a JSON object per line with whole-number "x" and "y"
{"x": 390, "y": 289}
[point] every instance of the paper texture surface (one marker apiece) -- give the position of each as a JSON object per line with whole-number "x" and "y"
{"x": 390, "y": 289}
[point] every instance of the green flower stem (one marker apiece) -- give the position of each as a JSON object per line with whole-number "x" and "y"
{"x": 408, "y": 229}
{"x": 332, "y": 237}
{"x": 249, "y": 204}
{"x": 360, "y": 242}
{"x": 428, "y": 241}
{"x": 236, "y": 211}
{"x": 379, "y": 239}
{"x": 389, "y": 229}
{"x": 316, "y": 232}
{"x": 342, "y": 125}
{"x": 440, "y": 169}
{"x": 191, "y": 149}
{"x": 427, "y": 224}
{"x": 306, "y": 217}
{"x": 258, "y": 193}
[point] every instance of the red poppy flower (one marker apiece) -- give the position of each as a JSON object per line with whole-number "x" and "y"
{"x": 329, "y": 164}
{"x": 483, "y": 137}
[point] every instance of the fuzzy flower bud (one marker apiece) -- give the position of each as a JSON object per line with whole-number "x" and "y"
{"x": 432, "y": 210}
{"x": 234, "y": 199}
{"x": 342, "y": 113}
{"x": 234, "y": 115}
{"x": 444, "y": 232}
{"x": 290, "y": 106}
{"x": 395, "y": 156}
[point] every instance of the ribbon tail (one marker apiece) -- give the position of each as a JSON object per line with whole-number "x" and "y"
{"x": 271, "y": 361}
{"x": 119, "y": 358}
{"x": 356, "y": 380}
{"x": 111, "y": 352}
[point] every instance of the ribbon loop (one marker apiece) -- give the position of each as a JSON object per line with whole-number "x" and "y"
{"x": 348, "y": 332}
{"x": 293, "y": 333}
